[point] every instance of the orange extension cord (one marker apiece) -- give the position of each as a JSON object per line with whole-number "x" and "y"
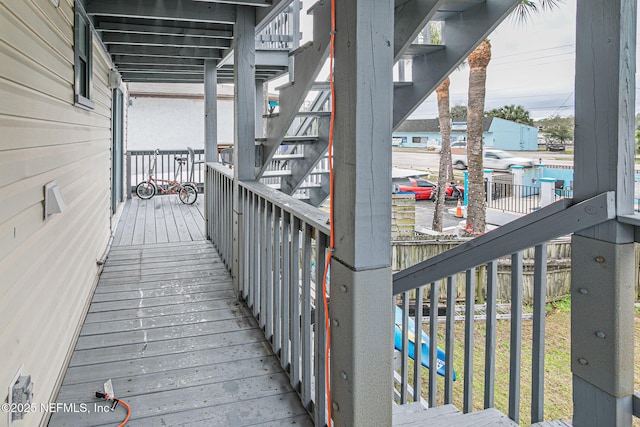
{"x": 116, "y": 401}
{"x": 331, "y": 233}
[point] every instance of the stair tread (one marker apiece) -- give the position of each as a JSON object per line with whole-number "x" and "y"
{"x": 417, "y": 415}
{"x": 449, "y": 415}
{"x": 553, "y": 423}
{"x": 421, "y": 49}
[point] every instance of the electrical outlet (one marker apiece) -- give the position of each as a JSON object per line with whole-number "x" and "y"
{"x": 20, "y": 396}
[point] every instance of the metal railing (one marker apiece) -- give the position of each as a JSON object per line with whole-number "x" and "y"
{"x": 514, "y": 198}
{"x": 282, "y": 244}
{"x": 139, "y": 161}
{"x": 479, "y": 259}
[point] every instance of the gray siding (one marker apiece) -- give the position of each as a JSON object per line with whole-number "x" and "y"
{"x": 47, "y": 268}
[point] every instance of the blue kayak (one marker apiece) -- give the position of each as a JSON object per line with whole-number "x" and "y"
{"x": 440, "y": 357}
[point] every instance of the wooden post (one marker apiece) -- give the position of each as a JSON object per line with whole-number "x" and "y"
{"x": 361, "y": 352}
{"x": 602, "y": 289}
{"x": 210, "y": 111}
{"x": 244, "y": 150}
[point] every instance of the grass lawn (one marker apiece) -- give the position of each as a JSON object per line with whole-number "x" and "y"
{"x": 558, "y": 400}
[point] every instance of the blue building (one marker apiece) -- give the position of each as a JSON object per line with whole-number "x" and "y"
{"x": 497, "y": 133}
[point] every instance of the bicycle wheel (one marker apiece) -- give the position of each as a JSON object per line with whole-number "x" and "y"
{"x": 188, "y": 194}
{"x": 145, "y": 190}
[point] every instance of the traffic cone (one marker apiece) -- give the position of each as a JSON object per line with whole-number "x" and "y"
{"x": 459, "y": 210}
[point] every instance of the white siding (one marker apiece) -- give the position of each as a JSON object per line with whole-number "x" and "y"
{"x": 47, "y": 268}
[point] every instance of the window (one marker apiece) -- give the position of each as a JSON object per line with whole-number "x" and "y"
{"x": 83, "y": 50}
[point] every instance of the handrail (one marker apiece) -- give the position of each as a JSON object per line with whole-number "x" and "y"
{"x": 312, "y": 215}
{"x": 555, "y": 220}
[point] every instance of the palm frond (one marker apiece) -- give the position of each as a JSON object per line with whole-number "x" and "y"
{"x": 526, "y": 9}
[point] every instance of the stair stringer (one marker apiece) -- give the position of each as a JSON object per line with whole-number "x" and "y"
{"x": 462, "y": 33}
{"x": 313, "y": 153}
{"x": 309, "y": 60}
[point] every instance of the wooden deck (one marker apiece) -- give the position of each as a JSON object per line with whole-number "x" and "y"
{"x": 162, "y": 219}
{"x": 166, "y": 328}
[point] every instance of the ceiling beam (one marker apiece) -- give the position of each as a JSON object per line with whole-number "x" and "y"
{"x": 120, "y": 27}
{"x": 164, "y": 40}
{"x": 173, "y": 10}
{"x": 158, "y": 51}
{"x": 257, "y": 3}
{"x": 159, "y": 69}
{"x": 149, "y": 60}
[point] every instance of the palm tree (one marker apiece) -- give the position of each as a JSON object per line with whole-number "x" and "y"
{"x": 446, "y": 168}
{"x": 478, "y": 61}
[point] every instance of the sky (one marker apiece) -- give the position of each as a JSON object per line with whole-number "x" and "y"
{"x": 532, "y": 65}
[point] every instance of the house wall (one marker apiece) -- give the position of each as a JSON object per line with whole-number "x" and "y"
{"x": 47, "y": 268}
{"x": 513, "y": 136}
{"x": 168, "y": 117}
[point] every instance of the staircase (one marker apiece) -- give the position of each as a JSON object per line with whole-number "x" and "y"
{"x": 415, "y": 414}
{"x": 290, "y": 159}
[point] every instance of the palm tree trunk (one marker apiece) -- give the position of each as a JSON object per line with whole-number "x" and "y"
{"x": 445, "y": 153}
{"x": 478, "y": 62}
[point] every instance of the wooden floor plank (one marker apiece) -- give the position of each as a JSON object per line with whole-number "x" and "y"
{"x": 163, "y": 310}
{"x": 198, "y": 254}
{"x": 162, "y": 334}
{"x": 180, "y": 289}
{"x": 117, "y": 236}
{"x": 134, "y": 351}
{"x": 129, "y": 223}
{"x": 163, "y": 321}
{"x": 157, "y": 364}
{"x": 181, "y": 226}
{"x": 138, "y": 227}
{"x": 125, "y": 286}
{"x": 150, "y": 222}
{"x": 175, "y": 379}
{"x": 184, "y": 406}
{"x": 192, "y": 226}
{"x": 190, "y": 262}
{"x": 161, "y": 227}
{"x": 154, "y": 302}
{"x": 172, "y": 228}
{"x": 160, "y": 246}
{"x": 178, "y": 267}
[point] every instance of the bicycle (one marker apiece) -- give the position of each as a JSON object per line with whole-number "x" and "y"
{"x": 187, "y": 192}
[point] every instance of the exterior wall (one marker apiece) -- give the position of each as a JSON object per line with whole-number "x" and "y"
{"x": 513, "y": 136}
{"x": 502, "y": 134}
{"x": 168, "y": 119}
{"x": 47, "y": 268}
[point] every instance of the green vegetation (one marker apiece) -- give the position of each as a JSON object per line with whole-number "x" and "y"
{"x": 513, "y": 113}
{"x": 557, "y": 130}
{"x": 558, "y": 390}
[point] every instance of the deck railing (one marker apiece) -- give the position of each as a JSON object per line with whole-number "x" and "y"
{"x": 281, "y": 247}
{"x": 139, "y": 161}
{"x": 478, "y": 259}
{"x": 282, "y": 244}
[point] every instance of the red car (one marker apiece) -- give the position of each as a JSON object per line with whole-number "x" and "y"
{"x": 424, "y": 190}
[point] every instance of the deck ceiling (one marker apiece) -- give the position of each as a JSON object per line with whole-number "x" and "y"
{"x": 169, "y": 40}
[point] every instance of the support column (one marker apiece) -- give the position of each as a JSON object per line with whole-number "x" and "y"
{"x": 244, "y": 150}
{"x": 602, "y": 289}
{"x": 547, "y": 191}
{"x": 260, "y": 109}
{"x": 361, "y": 296}
{"x": 210, "y": 111}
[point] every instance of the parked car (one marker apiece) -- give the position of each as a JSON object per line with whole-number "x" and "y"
{"x": 494, "y": 159}
{"x": 425, "y": 190}
{"x": 555, "y": 147}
